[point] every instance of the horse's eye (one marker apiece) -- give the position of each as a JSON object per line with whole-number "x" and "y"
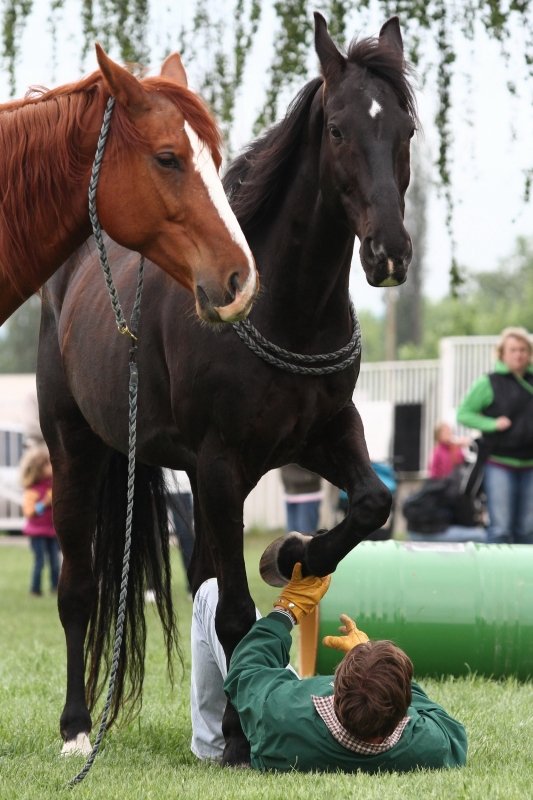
{"x": 168, "y": 160}
{"x": 334, "y": 132}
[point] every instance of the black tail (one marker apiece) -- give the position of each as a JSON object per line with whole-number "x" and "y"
{"x": 149, "y": 568}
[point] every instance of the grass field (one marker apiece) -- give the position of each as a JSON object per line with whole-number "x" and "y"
{"x": 150, "y": 757}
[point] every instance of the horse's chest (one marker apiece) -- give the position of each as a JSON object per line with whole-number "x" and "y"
{"x": 282, "y": 412}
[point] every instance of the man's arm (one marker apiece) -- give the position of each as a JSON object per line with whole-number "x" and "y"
{"x": 258, "y": 664}
{"x": 445, "y": 737}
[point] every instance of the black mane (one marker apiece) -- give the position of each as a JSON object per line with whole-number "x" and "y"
{"x": 254, "y": 178}
{"x": 387, "y": 63}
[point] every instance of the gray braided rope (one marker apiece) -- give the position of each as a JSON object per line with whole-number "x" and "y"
{"x": 95, "y": 222}
{"x": 294, "y": 362}
{"x": 133, "y": 386}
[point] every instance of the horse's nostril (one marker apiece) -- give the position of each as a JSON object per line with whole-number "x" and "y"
{"x": 202, "y": 297}
{"x": 233, "y": 284}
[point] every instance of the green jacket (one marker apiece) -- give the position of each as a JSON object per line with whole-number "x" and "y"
{"x": 286, "y": 732}
{"x": 471, "y": 412}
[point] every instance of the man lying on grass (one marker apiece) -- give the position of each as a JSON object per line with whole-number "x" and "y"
{"x": 369, "y": 716}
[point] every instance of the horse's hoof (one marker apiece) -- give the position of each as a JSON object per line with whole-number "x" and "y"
{"x": 236, "y": 753}
{"x": 81, "y": 745}
{"x": 272, "y": 568}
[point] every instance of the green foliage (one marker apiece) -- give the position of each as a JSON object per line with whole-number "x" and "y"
{"x": 372, "y": 336}
{"x": 291, "y": 51}
{"x": 15, "y": 14}
{"x": 19, "y": 337}
{"x": 124, "y": 22}
{"x": 226, "y": 48}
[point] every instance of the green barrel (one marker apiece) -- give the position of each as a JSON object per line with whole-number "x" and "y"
{"x": 454, "y": 608}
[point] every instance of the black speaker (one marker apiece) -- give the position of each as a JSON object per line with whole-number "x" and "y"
{"x": 407, "y": 437}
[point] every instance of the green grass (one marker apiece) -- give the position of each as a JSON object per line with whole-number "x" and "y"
{"x": 150, "y": 757}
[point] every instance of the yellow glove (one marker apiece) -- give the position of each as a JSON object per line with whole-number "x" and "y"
{"x": 301, "y": 595}
{"x": 351, "y": 637}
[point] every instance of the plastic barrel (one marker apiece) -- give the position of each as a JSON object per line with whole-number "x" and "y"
{"x": 453, "y": 608}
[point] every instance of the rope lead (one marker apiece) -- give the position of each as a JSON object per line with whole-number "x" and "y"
{"x": 129, "y": 330}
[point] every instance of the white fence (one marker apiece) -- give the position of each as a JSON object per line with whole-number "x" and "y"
{"x": 10, "y": 491}
{"x": 403, "y": 382}
{"x": 462, "y": 360}
{"x": 437, "y": 386}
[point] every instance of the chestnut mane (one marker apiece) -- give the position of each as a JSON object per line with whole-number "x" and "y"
{"x": 42, "y": 158}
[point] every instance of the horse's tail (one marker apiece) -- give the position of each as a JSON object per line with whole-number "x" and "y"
{"x": 149, "y": 568}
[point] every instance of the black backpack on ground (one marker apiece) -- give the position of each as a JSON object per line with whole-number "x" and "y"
{"x": 442, "y": 502}
{"x": 428, "y": 510}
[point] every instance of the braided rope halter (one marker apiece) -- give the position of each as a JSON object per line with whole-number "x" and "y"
{"x": 316, "y": 364}
{"x": 130, "y": 330}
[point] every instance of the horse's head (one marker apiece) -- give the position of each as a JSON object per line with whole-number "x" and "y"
{"x": 369, "y": 119}
{"x": 160, "y": 192}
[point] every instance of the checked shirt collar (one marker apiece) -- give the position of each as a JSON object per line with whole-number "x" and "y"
{"x": 325, "y": 709}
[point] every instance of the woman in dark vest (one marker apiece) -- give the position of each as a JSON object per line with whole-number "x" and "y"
{"x": 500, "y": 405}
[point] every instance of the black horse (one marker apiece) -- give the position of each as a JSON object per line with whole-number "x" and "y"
{"x": 337, "y": 166}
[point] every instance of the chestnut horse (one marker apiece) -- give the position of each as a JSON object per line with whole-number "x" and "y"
{"x": 158, "y": 191}
{"x": 335, "y": 167}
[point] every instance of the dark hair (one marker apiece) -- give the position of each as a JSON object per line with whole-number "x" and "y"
{"x": 373, "y": 689}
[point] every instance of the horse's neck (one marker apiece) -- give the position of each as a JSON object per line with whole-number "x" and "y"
{"x": 305, "y": 258}
{"x": 45, "y": 207}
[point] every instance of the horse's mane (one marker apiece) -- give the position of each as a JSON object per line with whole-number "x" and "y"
{"x": 387, "y": 63}
{"x": 254, "y": 177}
{"x": 41, "y": 157}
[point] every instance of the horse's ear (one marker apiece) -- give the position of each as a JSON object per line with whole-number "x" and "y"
{"x": 331, "y": 60}
{"x": 173, "y": 69}
{"x": 124, "y": 86}
{"x": 391, "y": 33}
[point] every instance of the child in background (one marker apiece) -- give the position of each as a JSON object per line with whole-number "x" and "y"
{"x": 36, "y": 479}
{"x": 447, "y": 453}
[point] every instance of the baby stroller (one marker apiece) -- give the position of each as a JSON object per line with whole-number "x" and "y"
{"x": 449, "y": 509}
{"x": 386, "y": 474}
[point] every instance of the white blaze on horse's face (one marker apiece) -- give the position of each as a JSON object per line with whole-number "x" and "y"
{"x": 375, "y": 108}
{"x": 205, "y": 165}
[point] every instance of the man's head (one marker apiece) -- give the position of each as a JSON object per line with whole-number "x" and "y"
{"x": 373, "y": 689}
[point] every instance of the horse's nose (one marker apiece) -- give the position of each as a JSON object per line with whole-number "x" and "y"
{"x": 230, "y": 304}
{"x": 385, "y": 265}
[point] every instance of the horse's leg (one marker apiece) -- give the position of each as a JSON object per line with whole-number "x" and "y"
{"x": 221, "y": 494}
{"x": 201, "y": 566}
{"x": 76, "y": 479}
{"x": 77, "y": 457}
{"x": 340, "y": 456}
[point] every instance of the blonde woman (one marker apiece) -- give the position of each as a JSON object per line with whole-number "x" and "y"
{"x": 500, "y": 405}
{"x": 36, "y": 479}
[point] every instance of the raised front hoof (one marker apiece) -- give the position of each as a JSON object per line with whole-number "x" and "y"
{"x": 236, "y": 754}
{"x": 278, "y": 560}
{"x": 80, "y": 745}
